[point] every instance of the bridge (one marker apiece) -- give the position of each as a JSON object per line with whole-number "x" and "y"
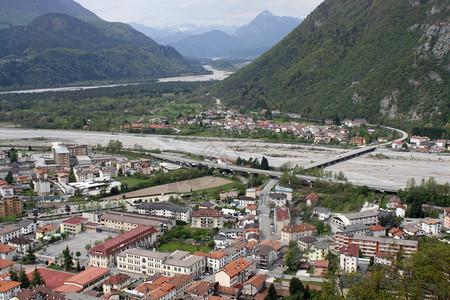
{"x": 277, "y": 174}
{"x": 342, "y": 157}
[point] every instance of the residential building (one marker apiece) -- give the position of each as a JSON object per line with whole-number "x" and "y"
{"x": 73, "y": 225}
{"x": 10, "y": 206}
{"x": 42, "y": 292}
{"x": 7, "y": 252}
{"x": 349, "y": 258}
{"x": 207, "y": 205}
{"x": 105, "y": 254}
{"x": 146, "y": 262}
{"x": 370, "y": 245}
{"x": 431, "y": 226}
{"x": 236, "y": 272}
{"x": 413, "y": 230}
{"x": 253, "y": 192}
{"x": 279, "y": 199}
{"x": 207, "y": 218}
{"x": 312, "y": 200}
{"x": 393, "y": 202}
{"x": 61, "y": 155}
{"x": 116, "y": 282}
{"x": 447, "y": 218}
{"x": 42, "y": 186}
{"x": 5, "y": 265}
{"x": 22, "y": 244}
{"x": 322, "y": 213}
{"x": 160, "y": 287}
{"x": 290, "y": 233}
{"x": 120, "y": 220}
{"x": 264, "y": 256}
{"x": 243, "y": 201}
{"x": 215, "y": 260}
{"x": 319, "y": 251}
{"x": 28, "y": 226}
{"x": 282, "y": 218}
{"x": 252, "y": 209}
{"x": 166, "y": 209}
{"x": 8, "y": 289}
{"x": 252, "y": 286}
{"x": 45, "y": 230}
{"x": 284, "y": 190}
{"x": 9, "y": 232}
{"x": 377, "y": 230}
{"x": 400, "y": 210}
{"x": 321, "y": 267}
{"x": 85, "y": 280}
{"x": 367, "y": 217}
{"x": 7, "y": 191}
{"x": 306, "y": 242}
{"x": 201, "y": 289}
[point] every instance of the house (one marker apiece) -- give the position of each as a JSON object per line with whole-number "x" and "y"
{"x": 237, "y": 272}
{"x": 306, "y": 242}
{"x": 253, "y": 192}
{"x": 5, "y": 265}
{"x": 252, "y": 209}
{"x": 167, "y": 209}
{"x": 42, "y": 186}
{"x": 378, "y": 230}
{"x": 319, "y": 251}
{"x": 264, "y": 256}
{"x": 321, "y": 267}
{"x": 393, "y": 202}
{"x": 447, "y": 218}
{"x": 383, "y": 258}
{"x": 322, "y": 213}
{"x": 279, "y": 199}
{"x": 9, "y": 232}
{"x": 312, "y": 200}
{"x": 45, "y": 230}
{"x": 413, "y": 230}
{"x": 28, "y": 226}
{"x": 431, "y": 226}
{"x": 282, "y": 218}
{"x": 252, "y": 286}
{"x": 359, "y": 229}
{"x": 73, "y": 225}
{"x": 40, "y": 292}
{"x": 22, "y": 244}
{"x": 224, "y": 293}
{"x": 358, "y": 141}
{"x": 367, "y": 217}
{"x": 400, "y": 210}
{"x": 284, "y": 190}
{"x": 396, "y": 145}
{"x": 215, "y": 260}
{"x": 349, "y": 258}
{"x": 289, "y": 233}
{"x": 201, "y": 289}
{"x": 116, "y": 282}
{"x": 8, "y": 289}
{"x": 206, "y": 205}
{"x": 207, "y": 218}
{"x": 7, "y": 252}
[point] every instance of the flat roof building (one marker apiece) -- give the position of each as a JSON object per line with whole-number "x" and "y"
{"x": 166, "y": 209}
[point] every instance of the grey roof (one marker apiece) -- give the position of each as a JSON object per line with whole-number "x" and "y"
{"x": 355, "y": 227}
{"x": 220, "y": 237}
{"x": 62, "y": 150}
{"x": 362, "y": 214}
{"x": 307, "y": 239}
{"x": 278, "y": 196}
{"x": 165, "y": 205}
{"x": 24, "y": 223}
{"x": 321, "y": 210}
{"x": 322, "y": 245}
{"x": 263, "y": 250}
{"x": 229, "y": 250}
{"x": 146, "y": 253}
{"x": 387, "y": 240}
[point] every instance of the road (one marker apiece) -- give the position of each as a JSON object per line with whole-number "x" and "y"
{"x": 264, "y": 210}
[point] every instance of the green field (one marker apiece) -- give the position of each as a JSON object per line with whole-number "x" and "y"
{"x": 189, "y": 248}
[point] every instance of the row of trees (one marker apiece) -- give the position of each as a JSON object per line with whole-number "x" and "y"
{"x": 36, "y": 278}
{"x": 254, "y": 163}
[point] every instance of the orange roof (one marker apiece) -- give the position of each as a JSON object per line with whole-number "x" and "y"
{"x": 377, "y": 228}
{"x": 298, "y": 228}
{"x": 161, "y": 280}
{"x": 430, "y": 221}
{"x": 321, "y": 263}
{"x": 252, "y": 206}
{"x": 46, "y": 228}
{"x": 144, "y": 287}
{"x": 215, "y": 255}
{"x": 256, "y": 281}
{"x": 67, "y": 288}
{"x": 5, "y": 263}
{"x": 6, "y": 248}
{"x": 200, "y": 288}
{"x": 8, "y": 285}
{"x": 251, "y": 244}
{"x": 235, "y": 267}
{"x": 52, "y": 278}
{"x": 272, "y": 243}
{"x": 88, "y": 275}
{"x": 161, "y": 291}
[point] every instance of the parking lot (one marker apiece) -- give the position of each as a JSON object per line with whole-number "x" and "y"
{"x": 75, "y": 243}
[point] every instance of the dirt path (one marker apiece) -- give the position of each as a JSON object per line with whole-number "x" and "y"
{"x": 184, "y": 186}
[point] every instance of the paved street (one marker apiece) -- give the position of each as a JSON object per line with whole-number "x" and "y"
{"x": 264, "y": 210}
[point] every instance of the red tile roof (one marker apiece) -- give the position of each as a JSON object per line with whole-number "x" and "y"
{"x": 88, "y": 275}
{"x": 53, "y": 278}
{"x": 350, "y": 250}
{"x": 298, "y": 228}
{"x": 8, "y": 285}
{"x": 5, "y": 263}
{"x": 122, "y": 241}
{"x": 200, "y": 288}
{"x": 74, "y": 221}
{"x": 6, "y": 248}
{"x": 321, "y": 263}
{"x": 117, "y": 279}
{"x": 282, "y": 213}
{"x": 377, "y": 228}
{"x": 235, "y": 267}
{"x": 256, "y": 281}
{"x": 207, "y": 213}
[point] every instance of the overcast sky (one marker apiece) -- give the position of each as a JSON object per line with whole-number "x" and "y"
{"x": 157, "y": 13}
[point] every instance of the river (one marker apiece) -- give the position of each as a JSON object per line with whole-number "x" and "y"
{"x": 216, "y": 75}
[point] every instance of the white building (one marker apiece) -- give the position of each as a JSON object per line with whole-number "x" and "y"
{"x": 42, "y": 186}
{"x": 349, "y": 258}
{"x": 367, "y": 217}
{"x": 279, "y": 199}
{"x": 166, "y": 209}
{"x": 9, "y": 232}
{"x": 431, "y": 226}
{"x": 8, "y": 289}
{"x": 400, "y": 210}
{"x": 322, "y": 213}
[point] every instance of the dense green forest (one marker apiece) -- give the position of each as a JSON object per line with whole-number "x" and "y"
{"x": 105, "y": 109}
{"x": 57, "y": 49}
{"x": 385, "y": 61}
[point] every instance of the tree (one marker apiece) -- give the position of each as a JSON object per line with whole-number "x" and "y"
{"x": 12, "y": 154}
{"x": 293, "y": 256}
{"x": 13, "y": 274}
{"x": 78, "y": 266}
{"x": 264, "y": 163}
{"x": 88, "y": 247}
{"x": 212, "y": 244}
{"x": 30, "y": 258}
{"x": 68, "y": 259}
{"x": 72, "y": 177}
{"x": 272, "y": 293}
{"x": 9, "y": 178}
{"x": 78, "y": 253}
{"x": 37, "y": 279}
{"x": 295, "y": 286}
{"x": 23, "y": 278}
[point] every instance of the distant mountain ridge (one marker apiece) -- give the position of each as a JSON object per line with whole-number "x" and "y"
{"x": 254, "y": 38}
{"x": 22, "y": 12}
{"x": 386, "y": 61}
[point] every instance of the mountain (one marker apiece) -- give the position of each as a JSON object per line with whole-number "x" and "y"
{"x": 60, "y": 49}
{"x": 386, "y": 61}
{"x": 210, "y": 44}
{"x": 266, "y": 29}
{"x": 22, "y": 12}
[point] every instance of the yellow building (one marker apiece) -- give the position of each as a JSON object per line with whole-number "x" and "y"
{"x": 207, "y": 218}
{"x": 74, "y": 225}
{"x": 46, "y": 230}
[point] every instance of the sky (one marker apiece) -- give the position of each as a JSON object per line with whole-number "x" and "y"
{"x": 159, "y": 13}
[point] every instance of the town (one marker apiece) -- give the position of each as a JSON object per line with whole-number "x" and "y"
{"x": 75, "y": 226}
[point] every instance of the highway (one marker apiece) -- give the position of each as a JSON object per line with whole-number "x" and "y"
{"x": 264, "y": 210}
{"x": 275, "y": 174}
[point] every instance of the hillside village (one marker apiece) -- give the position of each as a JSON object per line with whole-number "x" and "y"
{"x": 179, "y": 247}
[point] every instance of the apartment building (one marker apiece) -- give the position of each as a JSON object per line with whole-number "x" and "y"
{"x": 207, "y": 218}
{"x": 166, "y": 209}
{"x": 293, "y": 233}
{"x": 236, "y": 272}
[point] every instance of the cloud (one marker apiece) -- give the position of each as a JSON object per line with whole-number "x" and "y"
{"x": 157, "y": 13}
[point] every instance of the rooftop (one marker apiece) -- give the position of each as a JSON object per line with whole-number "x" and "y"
{"x": 282, "y": 213}
{"x": 6, "y": 248}
{"x": 53, "y": 278}
{"x": 235, "y": 267}
{"x": 207, "y": 213}
{"x": 8, "y": 229}
{"x": 88, "y": 275}
{"x": 321, "y": 263}
{"x": 200, "y": 288}
{"x": 75, "y": 221}
{"x": 5, "y": 263}
{"x": 298, "y": 228}
{"x": 256, "y": 281}
{"x": 363, "y": 214}
{"x": 350, "y": 250}
{"x": 6, "y": 285}
{"x": 166, "y": 206}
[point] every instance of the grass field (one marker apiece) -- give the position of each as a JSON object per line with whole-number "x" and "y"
{"x": 189, "y": 248}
